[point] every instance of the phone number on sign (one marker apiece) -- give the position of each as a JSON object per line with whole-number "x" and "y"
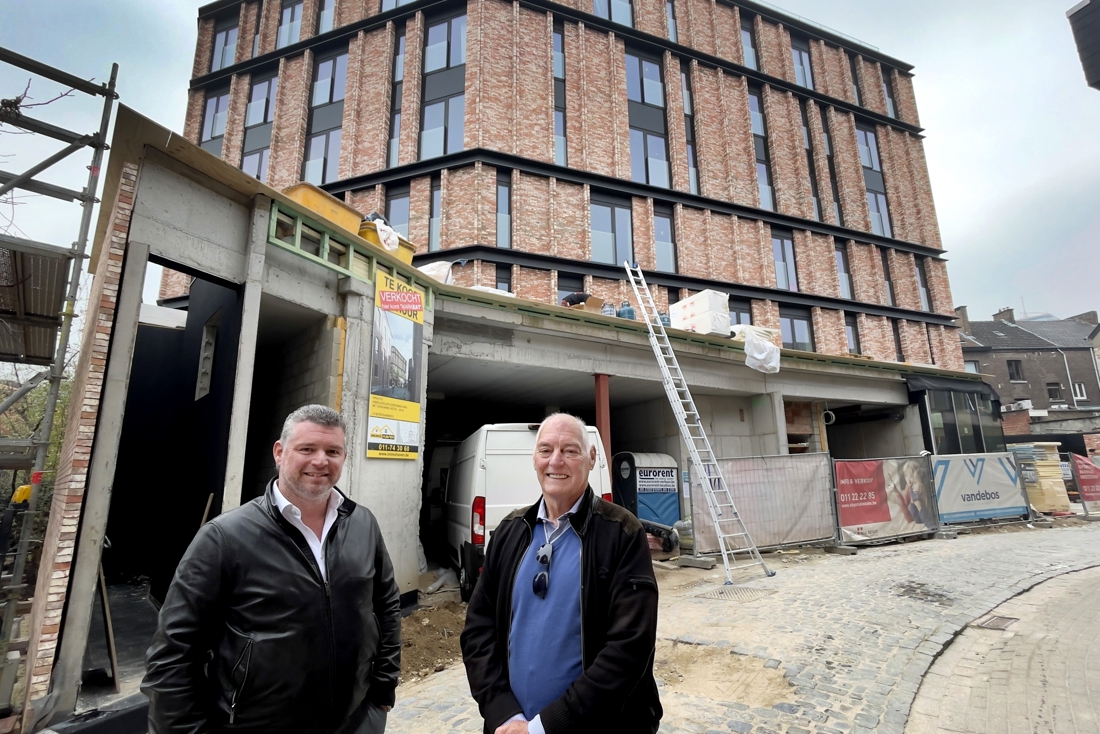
{"x": 857, "y": 497}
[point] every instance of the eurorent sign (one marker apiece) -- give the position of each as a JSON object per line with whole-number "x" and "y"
{"x": 978, "y": 487}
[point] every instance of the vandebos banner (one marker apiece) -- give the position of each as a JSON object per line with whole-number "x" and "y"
{"x": 879, "y": 499}
{"x": 1088, "y": 483}
{"x": 978, "y": 487}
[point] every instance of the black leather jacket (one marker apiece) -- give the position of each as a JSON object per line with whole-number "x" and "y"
{"x": 616, "y": 692}
{"x": 251, "y": 638}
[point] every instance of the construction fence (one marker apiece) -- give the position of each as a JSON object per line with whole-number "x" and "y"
{"x": 972, "y": 487}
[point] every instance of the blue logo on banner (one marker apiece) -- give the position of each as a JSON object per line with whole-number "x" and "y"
{"x": 1010, "y": 468}
{"x": 975, "y": 467}
{"x": 940, "y": 476}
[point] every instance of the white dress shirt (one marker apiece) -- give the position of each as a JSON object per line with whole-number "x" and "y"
{"x": 294, "y": 516}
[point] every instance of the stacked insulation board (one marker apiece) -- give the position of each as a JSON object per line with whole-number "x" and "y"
{"x": 1041, "y": 471}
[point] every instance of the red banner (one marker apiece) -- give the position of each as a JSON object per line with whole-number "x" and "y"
{"x": 400, "y": 301}
{"x": 1088, "y": 478}
{"x": 861, "y": 493}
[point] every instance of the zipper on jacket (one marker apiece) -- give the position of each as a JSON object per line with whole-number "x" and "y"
{"x": 584, "y": 660}
{"x": 246, "y": 658}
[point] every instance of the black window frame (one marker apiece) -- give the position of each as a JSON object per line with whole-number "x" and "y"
{"x": 1054, "y": 392}
{"x": 748, "y": 33}
{"x": 873, "y": 181}
{"x": 280, "y": 40}
{"x": 326, "y": 117}
{"x": 784, "y": 241}
{"x": 887, "y": 277}
{"x": 740, "y": 312}
{"x": 503, "y": 277}
{"x": 435, "y": 214}
{"x": 895, "y": 328}
{"x": 504, "y": 188}
{"x": 606, "y": 9}
{"x": 856, "y": 94}
{"x": 575, "y": 284}
{"x": 670, "y": 13}
{"x": 976, "y": 363}
{"x": 561, "y": 146}
{"x": 321, "y": 29}
{"x": 648, "y": 128}
{"x": 808, "y": 144}
{"x": 800, "y": 315}
{"x": 760, "y": 148}
{"x": 689, "y": 129}
{"x": 395, "y": 194}
{"x": 838, "y": 211}
{"x": 665, "y": 212}
{"x": 446, "y": 86}
{"x": 888, "y": 92}
{"x": 920, "y": 265}
{"x": 208, "y": 140}
{"x": 843, "y": 270}
{"x": 851, "y": 333}
{"x": 616, "y": 204}
{"x": 800, "y": 56}
{"x": 400, "y": 51}
{"x": 226, "y": 26}
{"x": 1015, "y": 370}
{"x": 256, "y": 148}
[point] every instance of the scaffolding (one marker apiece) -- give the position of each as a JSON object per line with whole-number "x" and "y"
{"x": 39, "y": 285}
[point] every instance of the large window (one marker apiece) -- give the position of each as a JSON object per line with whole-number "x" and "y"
{"x": 800, "y": 52}
{"x": 808, "y": 145}
{"x": 394, "y": 150}
{"x": 391, "y": 4}
{"x": 748, "y": 41}
{"x": 504, "y": 278}
{"x": 326, "y": 16}
{"x": 851, "y": 332}
{"x": 872, "y": 178}
{"x": 664, "y": 237}
{"x": 1079, "y": 391}
{"x": 645, "y": 92}
{"x": 1054, "y": 392}
{"x": 444, "y": 88}
{"x": 225, "y": 43}
{"x": 797, "y": 329}
{"x": 972, "y": 366}
{"x": 435, "y": 214}
{"x": 843, "y": 271}
{"x": 963, "y": 423}
{"x": 1015, "y": 370}
{"x": 786, "y": 274}
{"x": 258, "y": 122}
{"x": 569, "y": 283}
{"x": 888, "y": 93}
{"x": 922, "y": 283}
{"x": 855, "y": 80}
{"x": 740, "y": 312}
{"x": 689, "y": 130}
{"x": 504, "y": 209}
{"x": 889, "y": 280}
{"x": 618, "y": 11}
{"x": 612, "y": 232}
{"x": 670, "y": 11}
{"x": 561, "y": 156}
{"x": 397, "y": 209}
{"x": 213, "y": 122}
{"x": 290, "y": 23}
{"x": 760, "y": 145}
{"x": 326, "y": 117}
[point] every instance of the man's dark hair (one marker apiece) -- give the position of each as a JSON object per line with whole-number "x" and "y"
{"x": 322, "y": 415}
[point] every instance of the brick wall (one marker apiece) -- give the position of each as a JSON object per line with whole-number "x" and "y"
{"x": 723, "y": 132}
{"x": 369, "y": 200}
{"x": 790, "y": 174}
{"x": 766, "y": 314}
{"x": 650, "y": 17}
{"x": 76, "y": 448}
{"x": 695, "y": 26}
{"x": 246, "y": 29}
{"x": 569, "y": 220}
{"x": 829, "y": 335}
{"x": 645, "y": 247}
{"x": 815, "y": 257}
{"x": 533, "y": 122}
{"x": 832, "y": 76}
{"x": 192, "y": 121}
{"x": 174, "y": 283}
{"x": 535, "y": 285}
{"x": 1092, "y": 444}
{"x": 939, "y": 289}
{"x": 821, "y": 164}
{"x": 773, "y": 47}
{"x": 1016, "y": 422}
{"x": 930, "y": 228}
{"x": 204, "y": 48}
{"x": 369, "y": 101}
{"x": 868, "y": 284}
{"x": 905, "y": 99}
{"x": 269, "y": 25}
{"x": 869, "y": 74}
{"x": 350, "y": 11}
{"x": 876, "y": 338}
{"x": 411, "y": 88}
{"x": 530, "y": 213}
{"x": 849, "y": 171}
{"x": 233, "y": 143}
{"x": 420, "y": 193}
{"x": 288, "y": 131}
{"x": 677, "y": 136}
{"x": 914, "y": 342}
{"x": 903, "y": 273}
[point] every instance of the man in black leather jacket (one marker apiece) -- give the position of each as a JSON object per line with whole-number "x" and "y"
{"x": 283, "y": 615}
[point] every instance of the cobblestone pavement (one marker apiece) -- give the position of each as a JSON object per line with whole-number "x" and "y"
{"x": 849, "y": 637}
{"x": 1041, "y": 673}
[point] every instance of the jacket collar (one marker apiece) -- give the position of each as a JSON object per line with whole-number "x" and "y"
{"x": 579, "y": 519}
{"x": 268, "y": 502}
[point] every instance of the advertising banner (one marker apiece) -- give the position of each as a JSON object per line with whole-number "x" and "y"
{"x": 393, "y": 426}
{"x": 1088, "y": 483}
{"x": 878, "y": 499}
{"x": 978, "y": 487}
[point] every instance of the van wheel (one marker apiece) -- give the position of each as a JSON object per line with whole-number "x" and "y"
{"x": 465, "y": 584}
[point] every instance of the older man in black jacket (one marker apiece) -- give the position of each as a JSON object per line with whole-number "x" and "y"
{"x": 561, "y": 628}
{"x": 283, "y": 615}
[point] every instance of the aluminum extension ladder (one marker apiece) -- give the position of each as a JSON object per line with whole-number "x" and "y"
{"x": 733, "y": 536}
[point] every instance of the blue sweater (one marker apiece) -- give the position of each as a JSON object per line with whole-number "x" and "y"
{"x": 544, "y": 646}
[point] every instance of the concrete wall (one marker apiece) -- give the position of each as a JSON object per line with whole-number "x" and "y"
{"x": 1039, "y": 368}
{"x": 878, "y": 439}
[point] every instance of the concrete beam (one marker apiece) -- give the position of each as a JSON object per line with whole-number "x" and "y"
{"x": 68, "y": 667}
{"x": 246, "y": 353}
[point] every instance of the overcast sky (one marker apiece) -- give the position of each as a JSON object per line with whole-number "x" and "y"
{"x": 1011, "y": 126}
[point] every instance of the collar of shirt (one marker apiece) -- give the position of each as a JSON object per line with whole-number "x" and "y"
{"x": 562, "y": 525}
{"x": 293, "y": 515}
{"x": 289, "y": 510}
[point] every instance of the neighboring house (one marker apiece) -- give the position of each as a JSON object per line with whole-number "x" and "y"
{"x": 1045, "y": 372}
{"x": 1084, "y": 21}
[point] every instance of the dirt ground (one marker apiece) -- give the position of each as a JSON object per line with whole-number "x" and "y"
{"x": 718, "y": 674}
{"x": 429, "y": 640}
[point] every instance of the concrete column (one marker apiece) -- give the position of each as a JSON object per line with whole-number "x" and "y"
{"x": 246, "y": 352}
{"x": 603, "y": 413}
{"x": 769, "y": 424}
{"x": 359, "y": 313}
{"x": 101, "y": 473}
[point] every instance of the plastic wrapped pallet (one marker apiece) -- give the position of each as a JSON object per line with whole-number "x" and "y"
{"x": 703, "y": 302}
{"x": 708, "y": 322}
{"x": 761, "y": 354}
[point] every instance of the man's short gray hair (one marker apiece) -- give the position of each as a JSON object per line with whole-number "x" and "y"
{"x": 585, "y": 445}
{"x": 322, "y": 415}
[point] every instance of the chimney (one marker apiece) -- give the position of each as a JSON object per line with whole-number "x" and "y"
{"x": 1005, "y": 314}
{"x": 962, "y": 319}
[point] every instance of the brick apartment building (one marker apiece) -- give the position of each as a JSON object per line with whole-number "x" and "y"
{"x": 539, "y": 144}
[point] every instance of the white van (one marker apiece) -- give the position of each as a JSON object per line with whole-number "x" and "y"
{"x": 491, "y": 474}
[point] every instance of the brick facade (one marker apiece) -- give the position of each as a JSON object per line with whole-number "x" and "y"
{"x": 508, "y": 93}
{"x": 59, "y": 543}
{"x": 174, "y": 284}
